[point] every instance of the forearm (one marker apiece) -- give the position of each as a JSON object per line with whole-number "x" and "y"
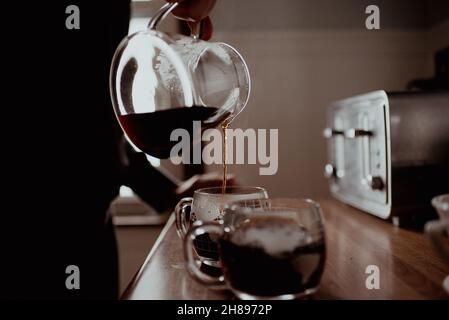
{"x": 153, "y": 186}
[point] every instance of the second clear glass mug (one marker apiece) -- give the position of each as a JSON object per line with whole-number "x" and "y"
{"x": 182, "y": 79}
{"x": 438, "y": 230}
{"x": 207, "y": 205}
{"x": 269, "y": 249}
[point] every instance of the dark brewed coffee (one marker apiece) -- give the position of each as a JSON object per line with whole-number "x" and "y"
{"x": 205, "y": 247}
{"x": 150, "y": 132}
{"x": 270, "y": 256}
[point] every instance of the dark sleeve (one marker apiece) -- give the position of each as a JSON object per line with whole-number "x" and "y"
{"x": 150, "y": 184}
{"x": 118, "y": 21}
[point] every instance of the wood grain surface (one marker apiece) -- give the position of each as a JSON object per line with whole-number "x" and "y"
{"x": 409, "y": 267}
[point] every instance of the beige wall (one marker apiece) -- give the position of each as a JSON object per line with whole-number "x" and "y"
{"x": 297, "y": 73}
{"x": 304, "y": 54}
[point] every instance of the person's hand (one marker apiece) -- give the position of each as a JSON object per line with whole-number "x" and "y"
{"x": 194, "y": 12}
{"x": 211, "y": 179}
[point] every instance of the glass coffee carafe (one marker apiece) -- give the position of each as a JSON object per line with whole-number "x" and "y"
{"x": 161, "y": 82}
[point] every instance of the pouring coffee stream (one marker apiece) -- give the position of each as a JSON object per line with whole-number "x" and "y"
{"x": 224, "y": 127}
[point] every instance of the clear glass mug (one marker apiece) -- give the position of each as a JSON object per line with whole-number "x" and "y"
{"x": 160, "y": 82}
{"x": 207, "y": 205}
{"x": 268, "y": 248}
{"x": 438, "y": 230}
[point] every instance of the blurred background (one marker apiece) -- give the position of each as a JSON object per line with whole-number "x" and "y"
{"x": 302, "y": 55}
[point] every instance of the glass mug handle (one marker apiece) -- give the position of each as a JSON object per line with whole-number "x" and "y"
{"x": 199, "y": 228}
{"x": 182, "y": 222}
{"x": 436, "y": 230}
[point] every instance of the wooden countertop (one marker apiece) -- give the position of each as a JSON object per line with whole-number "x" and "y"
{"x": 409, "y": 267}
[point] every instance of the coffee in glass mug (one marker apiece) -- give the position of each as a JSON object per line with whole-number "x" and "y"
{"x": 267, "y": 250}
{"x": 207, "y": 205}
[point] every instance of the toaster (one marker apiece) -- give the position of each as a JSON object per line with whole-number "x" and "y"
{"x": 388, "y": 153}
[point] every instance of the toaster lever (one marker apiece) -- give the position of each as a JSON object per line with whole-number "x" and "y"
{"x": 330, "y": 171}
{"x": 331, "y": 132}
{"x": 354, "y": 133}
{"x": 376, "y": 182}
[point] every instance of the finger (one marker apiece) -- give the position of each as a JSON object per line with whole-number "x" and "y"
{"x": 232, "y": 181}
{"x": 186, "y": 185}
{"x": 216, "y": 178}
{"x": 213, "y": 175}
{"x": 193, "y": 10}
